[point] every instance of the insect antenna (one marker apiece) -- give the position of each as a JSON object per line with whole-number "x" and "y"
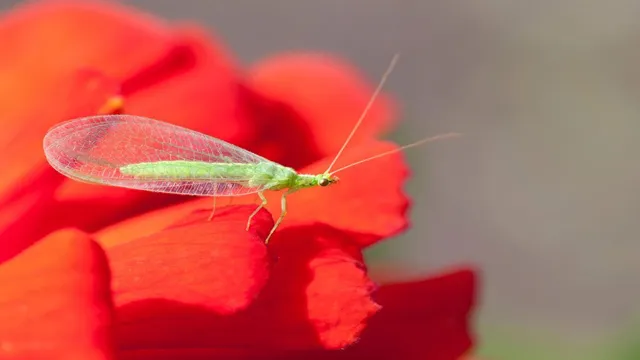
{"x": 419, "y": 142}
{"x": 386, "y": 74}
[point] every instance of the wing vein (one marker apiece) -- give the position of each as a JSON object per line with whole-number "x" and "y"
{"x": 93, "y": 149}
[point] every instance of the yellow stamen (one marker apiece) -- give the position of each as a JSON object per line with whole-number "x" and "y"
{"x": 114, "y": 105}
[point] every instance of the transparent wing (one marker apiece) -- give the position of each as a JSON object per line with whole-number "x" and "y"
{"x": 93, "y": 149}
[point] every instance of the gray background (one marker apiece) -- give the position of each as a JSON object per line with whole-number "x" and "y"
{"x": 542, "y": 193}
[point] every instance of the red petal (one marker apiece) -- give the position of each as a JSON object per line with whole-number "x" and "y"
{"x": 318, "y": 295}
{"x": 201, "y": 95}
{"x": 426, "y": 319}
{"x": 21, "y": 209}
{"x": 312, "y": 103}
{"x": 217, "y": 265}
{"x": 56, "y": 301}
{"x": 419, "y": 320}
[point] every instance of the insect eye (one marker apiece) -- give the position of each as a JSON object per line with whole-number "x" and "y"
{"x": 323, "y": 182}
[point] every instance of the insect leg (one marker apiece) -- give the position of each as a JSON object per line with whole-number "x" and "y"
{"x": 262, "y": 204}
{"x": 283, "y": 212}
{"x": 213, "y": 211}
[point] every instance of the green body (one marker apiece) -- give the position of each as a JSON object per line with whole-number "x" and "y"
{"x": 261, "y": 176}
{"x": 254, "y": 177}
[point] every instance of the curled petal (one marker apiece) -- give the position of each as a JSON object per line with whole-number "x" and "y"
{"x": 55, "y": 301}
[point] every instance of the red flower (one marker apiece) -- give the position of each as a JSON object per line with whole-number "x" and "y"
{"x": 182, "y": 287}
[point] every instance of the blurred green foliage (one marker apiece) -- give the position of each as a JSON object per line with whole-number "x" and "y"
{"x": 520, "y": 343}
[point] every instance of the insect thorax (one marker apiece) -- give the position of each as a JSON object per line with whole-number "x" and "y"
{"x": 272, "y": 176}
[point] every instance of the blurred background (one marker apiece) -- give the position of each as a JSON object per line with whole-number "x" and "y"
{"x": 542, "y": 193}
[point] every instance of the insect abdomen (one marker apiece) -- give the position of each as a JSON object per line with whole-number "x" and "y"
{"x": 194, "y": 170}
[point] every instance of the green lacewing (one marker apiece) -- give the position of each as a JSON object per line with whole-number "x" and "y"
{"x": 145, "y": 154}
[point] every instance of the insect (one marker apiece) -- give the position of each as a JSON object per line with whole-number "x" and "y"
{"x": 145, "y": 154}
